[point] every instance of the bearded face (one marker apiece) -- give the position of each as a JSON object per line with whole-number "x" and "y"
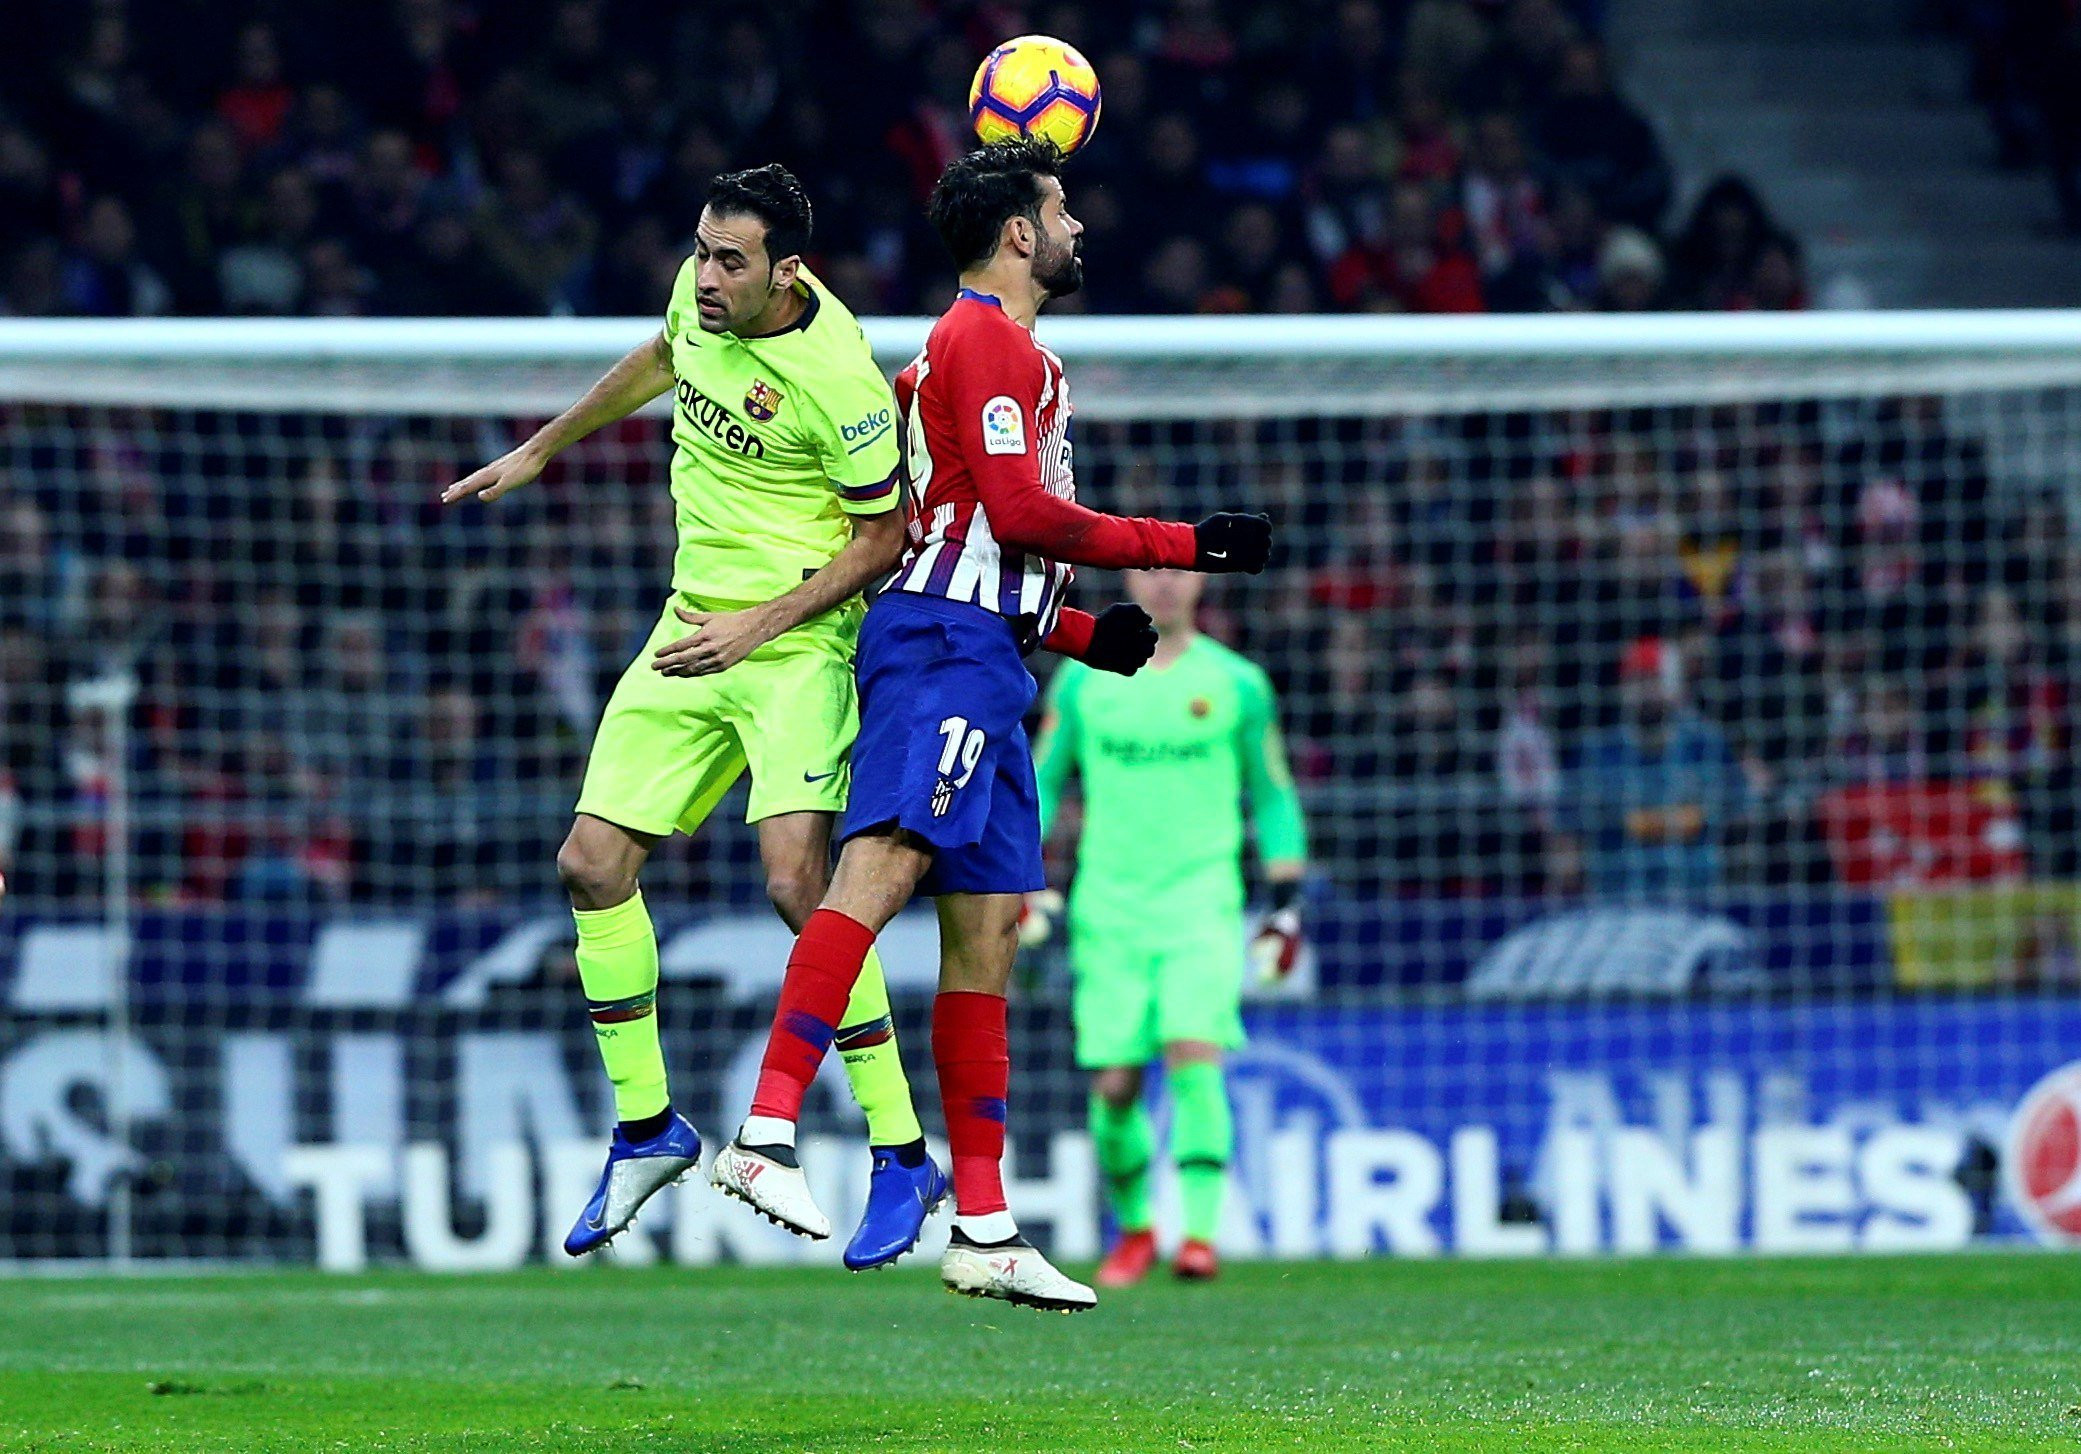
{"x": 1058, "y": 263}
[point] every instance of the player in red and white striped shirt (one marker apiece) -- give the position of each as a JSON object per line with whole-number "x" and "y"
{"x": 983, "y": 375}
{"x": 993, "y": 515}
{"x": 943, "y": 798}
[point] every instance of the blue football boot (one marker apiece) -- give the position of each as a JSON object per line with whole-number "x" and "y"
{"x": 899, "y": 1199}
{"x": 635, "y": 1172}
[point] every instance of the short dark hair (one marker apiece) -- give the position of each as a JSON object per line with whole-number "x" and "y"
{"x": 773, "y": 195}
{"x": 980, "y": 192}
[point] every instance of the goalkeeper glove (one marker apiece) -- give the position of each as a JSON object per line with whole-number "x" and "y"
{"x": 1276, "y": 947}
{"x": 1123, "y": 638}
{"x": 1229, "y": 544}
{"x": 1037, "y": 918}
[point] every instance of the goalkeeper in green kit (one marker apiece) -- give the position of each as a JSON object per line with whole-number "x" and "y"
{"x": 1168, "y": 758}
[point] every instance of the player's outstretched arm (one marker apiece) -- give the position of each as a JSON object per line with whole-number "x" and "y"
{"x": 643, "y": 373}
{"x": 1026, "y": 517}
{"x": 721, "y": 639}
{"x": 993, "y": 403}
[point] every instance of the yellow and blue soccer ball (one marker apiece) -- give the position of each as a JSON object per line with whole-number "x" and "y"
{"x": 1035, "y": 85}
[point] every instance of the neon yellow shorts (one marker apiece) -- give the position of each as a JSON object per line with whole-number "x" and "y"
{"x": 668, "y": 748}
{"x": 1133, "y": 998}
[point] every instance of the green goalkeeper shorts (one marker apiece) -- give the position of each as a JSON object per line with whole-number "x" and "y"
{"x": 668, "y": 748}
{"x": 1134, "y": 996}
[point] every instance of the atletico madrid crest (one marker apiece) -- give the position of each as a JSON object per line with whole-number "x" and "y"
{"x": 763, "y": 401}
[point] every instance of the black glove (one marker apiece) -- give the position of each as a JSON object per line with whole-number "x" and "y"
{"x": 1228, "y": 543}
{"x": 1122, "y": 639}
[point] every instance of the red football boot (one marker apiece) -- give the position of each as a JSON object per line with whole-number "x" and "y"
{"x": 1129, "y": 1261}
{"x": 1196, "y": 1262}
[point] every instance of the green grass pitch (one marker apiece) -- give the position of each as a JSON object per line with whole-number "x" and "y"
{"x": 1966, "y": 1353}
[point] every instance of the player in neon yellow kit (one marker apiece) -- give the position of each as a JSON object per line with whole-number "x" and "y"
{"x": 1167, "y": 758}
{"x": 787, "y": 501}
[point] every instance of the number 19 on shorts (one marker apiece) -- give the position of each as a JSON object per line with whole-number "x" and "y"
{"x": 957, "y": 760}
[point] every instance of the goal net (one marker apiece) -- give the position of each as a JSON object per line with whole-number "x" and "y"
{"x": 1684, "y": 709}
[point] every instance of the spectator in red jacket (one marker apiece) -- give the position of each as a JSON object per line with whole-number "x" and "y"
{"x": 256, "y": 105}
{"x": 1413, "y": 267}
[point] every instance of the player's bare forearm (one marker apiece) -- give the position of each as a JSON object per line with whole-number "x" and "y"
{"x": 876, "y": 546}
{"x": 1285, "y": 871}
{"x": 721, "y": 639}
{"x": 642, "y": 374}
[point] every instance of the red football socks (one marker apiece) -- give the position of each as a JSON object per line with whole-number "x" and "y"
{"x": 821, "y": 972}
{"x": 975, "y": 1070}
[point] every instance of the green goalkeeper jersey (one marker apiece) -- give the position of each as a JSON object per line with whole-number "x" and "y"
{"x": 1168, "y": 758}
{"x": 778, "y": 439}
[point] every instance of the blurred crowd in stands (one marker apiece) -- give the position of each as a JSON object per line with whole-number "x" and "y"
{"x": 1661, "y": 653}
{"x": 1665, "y": 653}
{"x": 2026, "y": 73}
{"x": 437, "y": 157}
{"x": 1668, "y": 652}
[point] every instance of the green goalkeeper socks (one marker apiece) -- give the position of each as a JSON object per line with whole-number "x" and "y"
{"x": 618, "y": 965}
{"x": 866, "y": 1042}
{"x": 1202, "y": 1139}
{"x": 1124, "y": 1142}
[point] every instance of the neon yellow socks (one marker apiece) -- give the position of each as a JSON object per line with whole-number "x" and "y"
{"x": 618, "y": 965}
{"x": 866, "y": 1042}
{"x": 1124, "y": 1142}
{"x": 1203, "y": 1137}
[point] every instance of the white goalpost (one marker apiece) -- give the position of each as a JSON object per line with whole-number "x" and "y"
{"x": 1687, "y": 710}
{"x": 1272, "y": 365}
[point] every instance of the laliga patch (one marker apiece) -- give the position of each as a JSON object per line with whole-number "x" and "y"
{"x": 1004, "y": 427}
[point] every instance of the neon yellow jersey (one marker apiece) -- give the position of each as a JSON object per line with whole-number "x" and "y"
{"x": 778, "y": 440}
{"x": 1168, "y": 757}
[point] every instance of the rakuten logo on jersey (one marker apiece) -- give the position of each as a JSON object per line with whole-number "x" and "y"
{"x": 713, "y": 420}
{"x": 2042, "y": 1161}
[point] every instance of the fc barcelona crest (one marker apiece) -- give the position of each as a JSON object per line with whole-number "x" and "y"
{"x": 763, "y": 402}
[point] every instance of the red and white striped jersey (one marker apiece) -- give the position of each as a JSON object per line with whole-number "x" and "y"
{"x": 993, "y": 519}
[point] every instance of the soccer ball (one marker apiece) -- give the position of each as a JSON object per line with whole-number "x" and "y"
{"x": 1035, "y": 85}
